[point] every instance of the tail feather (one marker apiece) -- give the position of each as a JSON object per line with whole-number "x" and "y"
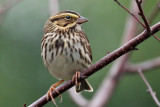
{"x": 85, "y": 86}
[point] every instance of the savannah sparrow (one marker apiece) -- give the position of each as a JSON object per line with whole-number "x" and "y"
{"x": 65, "y": 49}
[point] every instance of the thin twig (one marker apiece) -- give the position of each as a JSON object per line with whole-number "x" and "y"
{"x": 141, "y": 13}
{"x": 134, "y": 16}
{"x": 153, "y": 94}
{"x": 152, "y": 16}
{"x": 156, "y": 38}
{"x": 101, "y": 63}
{"x": 129, "y": 12}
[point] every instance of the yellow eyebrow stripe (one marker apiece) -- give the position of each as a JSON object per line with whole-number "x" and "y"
{"x": 64, "y": 14}
{"x": 70, "y": 14}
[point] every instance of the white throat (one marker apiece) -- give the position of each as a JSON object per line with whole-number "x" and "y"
{"x": 78, "y": 27}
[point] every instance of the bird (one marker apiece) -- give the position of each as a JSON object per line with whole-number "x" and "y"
{"x": 65, "y": 50}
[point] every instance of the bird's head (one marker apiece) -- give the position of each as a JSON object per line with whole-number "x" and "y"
{"x": 64, "y": 20}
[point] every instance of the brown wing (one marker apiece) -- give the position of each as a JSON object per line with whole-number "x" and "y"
{"x": 90, "y": 52}
{"x": 83, "y": 35}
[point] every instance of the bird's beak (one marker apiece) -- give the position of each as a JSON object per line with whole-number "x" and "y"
{"x": 81, "y": 20}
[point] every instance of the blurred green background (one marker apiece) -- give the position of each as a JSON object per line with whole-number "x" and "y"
{"x": 23, "y": 77}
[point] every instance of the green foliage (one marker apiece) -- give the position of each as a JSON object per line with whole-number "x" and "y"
{"x": 23, "y": 77}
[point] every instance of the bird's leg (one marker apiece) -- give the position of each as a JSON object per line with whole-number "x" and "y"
{"x": 53, "y": 87}
{"x": 76, "y": 78}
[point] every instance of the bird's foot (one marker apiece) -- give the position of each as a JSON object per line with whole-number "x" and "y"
{"x": 76, "y": 78}
{"x": 49, "y": 93}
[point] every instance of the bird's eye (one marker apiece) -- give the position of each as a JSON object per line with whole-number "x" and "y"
{"x": 68, "y": 17}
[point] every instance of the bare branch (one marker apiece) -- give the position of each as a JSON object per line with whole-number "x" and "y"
{"x": 134, "y": 16}
{"x": 146, "y": 65}
{"x": 78, "y": 98}
{"x": 153, "y": 15}
{"x": 53, "y": 6}
{"x": 141, "y": 13}
{"x": 102, "y": 63}
{"x": 156, "y": 38}
{"x": 139, "y": 2}
{"x": 129, "y": 12}
{"x": 153, "y": 94}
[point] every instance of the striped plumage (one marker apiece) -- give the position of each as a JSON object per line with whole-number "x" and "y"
{"x": 65, "y": 48}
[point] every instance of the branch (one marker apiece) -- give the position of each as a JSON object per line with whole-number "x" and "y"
{"x": 139, "y": 2}
{"x": 129, "y": 12}
{"x": 53, "y": 6}
{"x": 134, "y": 16}
{"x": 146, "y": 65}
{"x": 101, "y": 63}
{"x": 153, "y": 94}
{"x": 141, "y": 13}
{"x": 156, "y": 38}
{"x": 152, "y": 16}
